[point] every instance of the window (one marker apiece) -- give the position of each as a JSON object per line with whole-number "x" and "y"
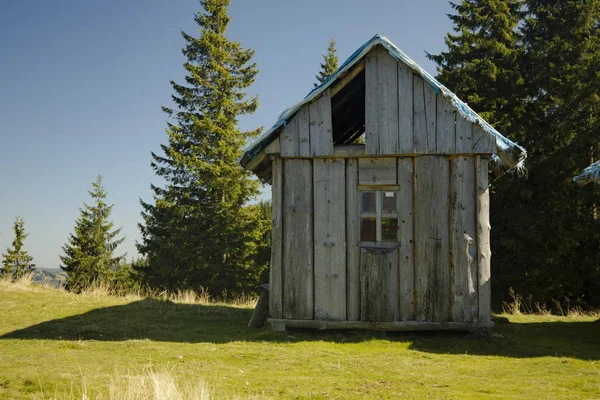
{"x": 379, "y": 209}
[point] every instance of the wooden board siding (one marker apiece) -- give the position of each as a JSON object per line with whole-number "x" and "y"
{"x": 275, "y": 280}
{"x": 303, "y": 117}
{"x": 407, "y": 265}
{"x": 387, "y": 101}
{"x": 405, "y": 109}
{"x": 289, "y": 145}
{"x": 464, "y": 135}
{"x": 463, "y": 240}
{"x": 483, "y": 240}
{"x": 298, "y": 239}
{"x": 431, "y": 235}
{"x": 483, "y": 143}
{"x": 425, "y": 116}
{"x": 321, "y": 138}
{"x": 329, "y": 239}
{"x": 371, "y": 104}
{"x": 379, "y": 284}
{"x": 446, "y": 127}
{"x": 377, "y": 171}
{"x": 352, "y": 249}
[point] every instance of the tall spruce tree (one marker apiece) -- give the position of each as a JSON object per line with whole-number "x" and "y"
{"x": 16, "y": 261}
{"x": 481, "y": 64}
{"x": 89, "y": 253}
{"x": 329, "y": 64}
{"x": 549, "y": 232}
{"x": 199, "y": 231}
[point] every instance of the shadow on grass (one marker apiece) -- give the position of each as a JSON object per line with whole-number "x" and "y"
{"x": 187, "y": 323}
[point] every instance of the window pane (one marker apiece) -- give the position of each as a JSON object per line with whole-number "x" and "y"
{"x": 389, "y": 229}
{"x": 367, "y": 202}
{"x": 368, "y": 228}
{"x": 390, "y": 202}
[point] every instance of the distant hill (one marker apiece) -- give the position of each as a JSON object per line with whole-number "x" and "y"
{"x": 50, "y": 277}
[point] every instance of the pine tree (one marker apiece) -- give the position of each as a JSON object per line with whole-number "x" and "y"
{"x": 481, "y": 64}
{"x": 329, "y": 64}
{"x": 16, "y": 261}
{"x": 89, "y": 253}
{"x": 199, "y": 231}
{"x": 556, "y": 256}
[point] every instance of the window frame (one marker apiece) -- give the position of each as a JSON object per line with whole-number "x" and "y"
{"x": 378, "y": 216}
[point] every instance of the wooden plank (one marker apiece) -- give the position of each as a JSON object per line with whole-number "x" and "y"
{"x": 352, "y": 240}
{"x": 425, "y": 114}
{"x": 289, "y": 139}
{"x": 446, "y": 126}
{"x": 407, "y": 257}
{"x": 330, "y": 238}
{"x": 405, "y": 109}
{"x": 377, "y": 171}
{"x": 303, "y": 116}
{"x": 297, "y": 209}
{"x": 409, "y": 326}
{"x": 431, "y": 235}
{"x": 483, "y": 240}
{"x": 341, "y": 82}
{"x": 482, "y": 141}
{"x": 275, "y": 271}
{"x": 379, "y": 284}
{"x": 349, "y": 150}
{"x": 321, "y": 137}
{"x": 463, "y": 238}
{"x": 371, "y": 104}
{"x": 273, "y": 148}
{"x": 387, "y": 88}
{"x": 464, "y": 135}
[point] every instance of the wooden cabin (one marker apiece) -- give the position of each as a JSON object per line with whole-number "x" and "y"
{"x": 392, "y": 233}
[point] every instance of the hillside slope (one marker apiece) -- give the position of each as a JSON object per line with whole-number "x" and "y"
{"x": 57, "y": 345}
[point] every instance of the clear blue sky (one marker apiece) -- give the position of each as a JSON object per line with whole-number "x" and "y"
{"x": 82, "y": 82}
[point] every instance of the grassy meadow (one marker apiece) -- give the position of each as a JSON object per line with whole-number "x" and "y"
{"x": 56, "y": 345}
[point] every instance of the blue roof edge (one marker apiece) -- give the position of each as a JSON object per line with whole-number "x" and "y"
{"x": 509, "y": 152}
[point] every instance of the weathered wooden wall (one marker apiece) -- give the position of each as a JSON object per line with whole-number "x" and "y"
{"x": 406, "y": 115}
{"x": 438, "y": 272}
{"x": 415, "y": 141}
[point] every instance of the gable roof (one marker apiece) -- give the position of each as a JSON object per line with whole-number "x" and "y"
{"x": 510, "y": 155}
{"x": 590, "y": 174}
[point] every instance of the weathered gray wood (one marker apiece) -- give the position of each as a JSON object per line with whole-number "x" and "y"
{"x": 303, "y": 116}
{"x": 289, "y": 138}
{"x": 464, "y": 135}
{"x": 352, "y": 239}
{"x": 261, "y": 310}
{"x": 349, "y": 150}
{"x": 371, "y": 104}
{"x": 483, "y": 240}
{"x": 412, "y": 326}
{"x": 425, "y": 116}
{"x": 387, "y": 88}
{"x": 321, "y": 138}
{"x": 407, "y": 258}
{"x": 482, "y": 141}
{"x": 379, "y": 284}
{"x": 446, "y": 126}
{"x": 431, "y": 234}
{"x": 298, "y": 299}
{"x": 275, "y": 270}
{"x": 330, "y": 239}
{"x": 377, "y": 171}
{"x": 463, "y": 240}
{"x": 405, "y": 109}
{"x": 273, "y": 148}
{"x": 342, "y": 81}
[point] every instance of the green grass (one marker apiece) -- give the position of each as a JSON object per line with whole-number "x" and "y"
{"x": 58, "y": 345}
